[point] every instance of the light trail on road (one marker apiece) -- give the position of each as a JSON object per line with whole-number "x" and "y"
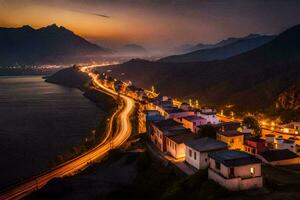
{"x": 82, "y": 161}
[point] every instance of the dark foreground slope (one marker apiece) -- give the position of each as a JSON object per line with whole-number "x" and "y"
{"x": 251, "y": 80}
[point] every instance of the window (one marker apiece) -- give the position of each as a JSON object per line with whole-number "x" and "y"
{"x": 205, "y": 159}
{"x": 252, "y": 170}
{"x": 231, "y": 172}
{"x": 231, "y": 140}
{"x": 218, "y": 165}
{"x": 190, "y": 153}
{"x": 253, "y": 151}
{"x": 195, "y": 155}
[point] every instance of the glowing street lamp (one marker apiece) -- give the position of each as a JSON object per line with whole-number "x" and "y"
{"x": 197, "y": 104}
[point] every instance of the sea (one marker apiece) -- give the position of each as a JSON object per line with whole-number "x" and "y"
{"x": 38, "y": 122}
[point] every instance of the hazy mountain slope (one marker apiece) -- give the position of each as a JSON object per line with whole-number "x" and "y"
{"x": 51, "y": 44}
{"x": 226, "y": 49}
{"x": 252, "y": 80}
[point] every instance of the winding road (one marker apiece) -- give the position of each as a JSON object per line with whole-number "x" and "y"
{"x": 72, "y": 166}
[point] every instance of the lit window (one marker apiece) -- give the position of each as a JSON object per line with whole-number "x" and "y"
{"x": 252, "y": 170}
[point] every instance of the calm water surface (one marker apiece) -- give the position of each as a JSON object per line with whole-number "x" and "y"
{"x": 39, "y": 121}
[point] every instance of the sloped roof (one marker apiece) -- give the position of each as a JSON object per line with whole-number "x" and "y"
{"x": 278, "y": 154}
{"x": 233, "y": 158}
{"x": 206, "y": 144}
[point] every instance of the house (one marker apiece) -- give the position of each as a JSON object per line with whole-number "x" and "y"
{"x": 196, "y": 151}
{"x": 175, "y": 142}
{"x": 255, "y": 145}
{"x": 292, "y": 127}
{"x": 173, "y": 112}
{"x": 279, "y": 157}
{"x": 290, "y": 144}
{"x": 235, "y": 170}
{"x": 146, "y": 117}
{"x": 209, "y": 114}
{"x": 233, "y": 138}
{"x": 191, "y": 122}
{"x": 158, "y": 130}
{"x": 185, "y": 106}
{"x": 228, "y": 126}
{"x": 270, "y": 140}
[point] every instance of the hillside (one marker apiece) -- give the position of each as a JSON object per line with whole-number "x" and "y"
{"x": 51, "y": 44}
{"x": 224, "y": 49}
{"x": 251, "y": 81}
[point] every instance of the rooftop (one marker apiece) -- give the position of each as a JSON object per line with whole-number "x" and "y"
{"x": 192, "y": 118}
{"x": 255, "y": 139}
{"x": 232, "y": 158}
{"x": 181, "y": 138}
{"x": 166, "y": 123}
{"x": 278, "y": 154}
{"x": 231, "y": 133}
{"x": 182, "y": 131}
{"x": 206, "y": 144}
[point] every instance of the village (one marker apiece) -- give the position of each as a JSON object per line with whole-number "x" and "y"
{"x": 182, "y": 134}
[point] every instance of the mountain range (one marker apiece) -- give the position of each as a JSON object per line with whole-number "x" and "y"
{"x": 132, "y": 49}
{"x": 221, "y": 50}
{"x": 252, "y": 81}
{"x": 51, "y": 44}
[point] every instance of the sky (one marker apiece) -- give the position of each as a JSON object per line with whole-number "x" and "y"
{"x": 163, "y": 24}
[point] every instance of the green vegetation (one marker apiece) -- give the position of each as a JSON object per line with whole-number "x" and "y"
{"x": 251, "y": 123}
{"x": 207, "y": 131}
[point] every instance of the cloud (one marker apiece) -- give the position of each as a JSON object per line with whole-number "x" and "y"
{"x": 100, "y": 15}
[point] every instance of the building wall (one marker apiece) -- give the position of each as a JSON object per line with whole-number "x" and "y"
{"x": 193, "y": 125}
{"x": 190, "y": 157}
{"x": 242, "y": 179}
{"x": 212, "y": 119}
{"x": 234, "y": 142}
{"x": 176, "y": 150}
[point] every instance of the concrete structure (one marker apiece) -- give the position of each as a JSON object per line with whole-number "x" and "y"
{"x": 254, "y": 145}
{"x": 145, "y": 119}
{"x": 279, "y": 157}
{"x": 191, "y": 122}
{"x": 158, "y": 132}
{"x": 290, "y": 144}
{"x": 196, "y": 151}
{"x": 175, "y": 142}
{"x": 235, "y": 170}
{"x": 234, "y": 139}
{"x": 209, "y": 114}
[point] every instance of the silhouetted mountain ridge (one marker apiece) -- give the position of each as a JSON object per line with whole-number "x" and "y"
{"x": 252, "y": 81}
{"x": 222, "y": 50}
{"x": 51, "y": 44}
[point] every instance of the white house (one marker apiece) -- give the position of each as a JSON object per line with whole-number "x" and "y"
{"x": 209, "y": 114}
{"x": 175, "y": 142}
{"x": 196, "y": 151}
{"x": 290, "y": 144}
{"x": 158, "y": 129}
{"x": 235, "y": 170}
